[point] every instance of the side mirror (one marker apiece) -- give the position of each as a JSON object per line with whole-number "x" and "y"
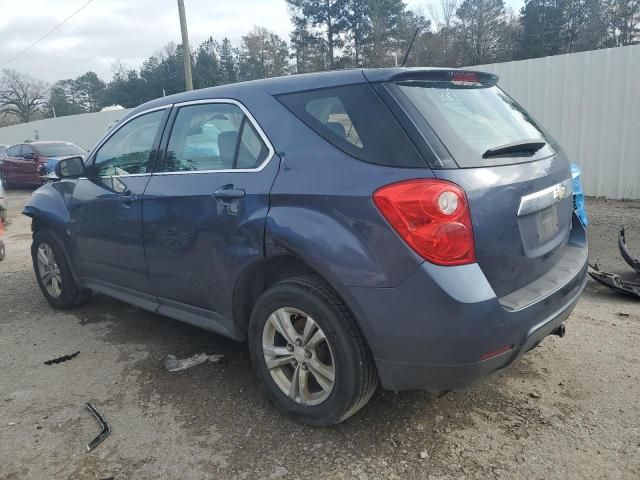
{"x": 70, "y": 167}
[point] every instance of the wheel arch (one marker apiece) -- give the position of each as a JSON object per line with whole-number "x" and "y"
{"x": 39, "y": 223}
{"x": 260, "y": 276}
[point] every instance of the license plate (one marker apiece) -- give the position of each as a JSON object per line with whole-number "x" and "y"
{"x": 547, "y": 223}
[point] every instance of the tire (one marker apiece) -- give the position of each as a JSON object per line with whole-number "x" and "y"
{"x": 65, "y": 293}
{"x": 2, "y": 250}
{"x": 3, "y": 180}
{"x": 334, "y": 347}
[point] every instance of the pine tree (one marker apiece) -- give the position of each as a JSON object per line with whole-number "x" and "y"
{"x": 227, "y": 57}
{"x": 541, "y": 22}
{"x": 206, "y": 68}
{"x": 328, "y": 17}
{"x": 481, "y": 26}
{"x": 358, "y": 26}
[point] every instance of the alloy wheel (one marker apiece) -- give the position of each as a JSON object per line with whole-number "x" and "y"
{"x": 49, "y": 271}
{"x": 298, "y": 356}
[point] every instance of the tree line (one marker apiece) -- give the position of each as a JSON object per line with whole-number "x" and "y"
{"x": 336, "y": 34}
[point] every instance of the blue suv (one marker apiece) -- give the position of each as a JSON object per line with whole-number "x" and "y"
{"x": 412, "y": 227}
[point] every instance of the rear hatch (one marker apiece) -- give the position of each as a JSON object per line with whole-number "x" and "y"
{"x": 517, "y": 180}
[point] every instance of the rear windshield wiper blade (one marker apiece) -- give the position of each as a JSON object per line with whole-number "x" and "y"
{"x": 526, "y": 146}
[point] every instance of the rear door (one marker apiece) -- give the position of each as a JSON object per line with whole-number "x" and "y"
{"x": 516, "y": 178}
{"x": 205, "y": 209}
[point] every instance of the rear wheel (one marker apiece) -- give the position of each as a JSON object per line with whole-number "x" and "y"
{"x": 309, "y": 353}
{"x": 53, "y": 272}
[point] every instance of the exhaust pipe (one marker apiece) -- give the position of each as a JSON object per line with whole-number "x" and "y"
{"x": 560, "y": 331}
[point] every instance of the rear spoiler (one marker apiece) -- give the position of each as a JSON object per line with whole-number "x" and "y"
{"x": 431, "y": 75}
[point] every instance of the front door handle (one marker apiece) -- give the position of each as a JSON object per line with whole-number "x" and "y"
{"x": 228, "y": 193}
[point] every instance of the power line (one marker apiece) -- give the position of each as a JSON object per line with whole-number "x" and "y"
{"x": 46, "y": 34}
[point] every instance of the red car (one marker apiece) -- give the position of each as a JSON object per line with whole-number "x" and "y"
{"x": 26, "y": 163}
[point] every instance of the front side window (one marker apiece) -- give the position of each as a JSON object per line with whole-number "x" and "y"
{"x": 129, "y": 150}
{"x": 13, "y": 151}
{"x": 213, "y": 136}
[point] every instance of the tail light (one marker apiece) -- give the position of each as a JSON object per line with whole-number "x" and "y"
{"x": 432, "y": 216}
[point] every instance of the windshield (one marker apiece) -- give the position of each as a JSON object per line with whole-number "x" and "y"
{"x": 60, "y": 149}
{"x": 472, "y": 119}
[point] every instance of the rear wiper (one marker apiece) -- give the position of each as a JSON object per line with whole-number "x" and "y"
{"x": 525, "y": 146}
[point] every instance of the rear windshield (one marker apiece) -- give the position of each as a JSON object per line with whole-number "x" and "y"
{"x": 60, "y": 150}
{"x": 472, "y": 119}
{"x": 356, "y": 121}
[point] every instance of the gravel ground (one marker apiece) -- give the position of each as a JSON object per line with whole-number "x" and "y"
{"x": 569, "y": 409}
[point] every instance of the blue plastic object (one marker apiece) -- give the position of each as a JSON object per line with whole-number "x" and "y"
{"x": 578, "y": 195}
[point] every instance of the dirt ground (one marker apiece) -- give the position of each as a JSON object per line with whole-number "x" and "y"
{"x": 569, "y": 409}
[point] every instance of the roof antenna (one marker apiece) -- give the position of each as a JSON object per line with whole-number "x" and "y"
{"x": 406, "y": 55}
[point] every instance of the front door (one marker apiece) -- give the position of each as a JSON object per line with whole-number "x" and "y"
{"x": 106, "y": 209}
{"x": 205, "y": 208}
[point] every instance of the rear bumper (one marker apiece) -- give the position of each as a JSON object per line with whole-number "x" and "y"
{"x": 399, "y": 376}
{"x": 433, "y": 330}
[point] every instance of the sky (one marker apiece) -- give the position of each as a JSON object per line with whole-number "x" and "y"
{"x": 128, "y": 31}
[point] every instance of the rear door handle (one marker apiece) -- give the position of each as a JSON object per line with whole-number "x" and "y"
{"x": 228, "y": 193}
{"x": 128, "y": 198}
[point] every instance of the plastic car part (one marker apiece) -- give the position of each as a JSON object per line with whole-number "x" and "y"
{"x": 104, "y": 433}
{"x": 61, "y": 359}
{"x": 613, "y": 281}
{"x": 578, "y": 195}
{"x": 622, "y": 245}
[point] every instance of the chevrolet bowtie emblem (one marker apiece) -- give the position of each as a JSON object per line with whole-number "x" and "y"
{"x": 560, "y": 192}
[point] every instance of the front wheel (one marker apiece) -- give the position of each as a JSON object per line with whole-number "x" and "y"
{"x": 309, "y": 353}
{"x": 53, "y": 272}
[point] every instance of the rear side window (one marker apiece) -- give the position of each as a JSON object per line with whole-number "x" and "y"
{"x": 472, "y": 119}
{"x": 354, "y": 119}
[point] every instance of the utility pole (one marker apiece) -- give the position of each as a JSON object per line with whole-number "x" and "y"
{"x": 186, "y": 51}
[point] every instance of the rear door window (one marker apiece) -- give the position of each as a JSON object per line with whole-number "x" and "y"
{"x": 27, "y": 150}
{"x": 472, "y": 119}
{"x": 356, "y": 121}
{"x": 213, "y": 136}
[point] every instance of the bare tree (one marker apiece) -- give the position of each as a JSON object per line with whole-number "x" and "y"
{"x": 443, "y": 13}
{"x": 21, "y": 96}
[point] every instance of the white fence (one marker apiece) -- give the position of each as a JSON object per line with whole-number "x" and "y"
{"x": 84, "y": 129}
{"x": 590, "y": 103}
